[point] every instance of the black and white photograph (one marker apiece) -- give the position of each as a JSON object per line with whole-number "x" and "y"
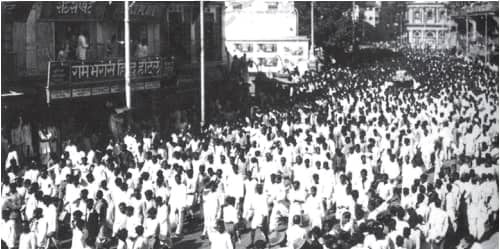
{"x": 249, "y": 124}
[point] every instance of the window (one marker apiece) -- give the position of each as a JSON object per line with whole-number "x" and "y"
{"x": 370, "y": 18}
{"x": 178, "y": 33}
{"x": 430, "y": 34}
{"x": 7, "y": 43}
{"x": 213, "y": 31}
{"x": 416, "y": 16}
{"x": 272, "y": 6}
{"x": 237, "y": 6}
{"x": 442, "y": 15}
{"x": 430, "y": 15}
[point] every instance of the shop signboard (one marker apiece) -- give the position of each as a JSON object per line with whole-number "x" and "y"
{"x": 140, "y": 12}
{"x": 72, "y": 11}
{"x": 107, "y": 71}
{"x": 80, "y": 92}
{"x": 116, "y": 88}
{"x": 100, "y": 90}
{"x": 80, "y": 79}
{"x": 136, "y": 86}
{"x": 60, "y": 94}
{"x": 152, "y": 85}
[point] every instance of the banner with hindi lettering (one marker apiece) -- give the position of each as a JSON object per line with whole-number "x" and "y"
{"x": 72, "y": 11}
{"x": 108, "y": 71}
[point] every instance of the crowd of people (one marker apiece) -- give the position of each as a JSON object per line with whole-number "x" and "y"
{"x": 347, "y": 164}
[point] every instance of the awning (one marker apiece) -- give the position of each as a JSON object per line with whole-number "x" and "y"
{"x": 73, "y": 11}
{"x": 16, "y": 11}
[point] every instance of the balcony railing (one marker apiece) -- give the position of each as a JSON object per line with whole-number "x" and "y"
{"x": 476, "y": 9}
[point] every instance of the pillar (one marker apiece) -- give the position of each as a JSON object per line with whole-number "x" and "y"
{"x": 474, "y": 29}
{"x": 486, "y": 38}
{"x": 194, "y": 53}
{"x": 467, "y": 35}
{"x": 31, "y": 62}
{"x": 100, "y": 40}
{"x": 437, "y": 46}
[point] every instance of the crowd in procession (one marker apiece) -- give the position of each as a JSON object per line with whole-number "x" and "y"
{"x": 348, "y": 163}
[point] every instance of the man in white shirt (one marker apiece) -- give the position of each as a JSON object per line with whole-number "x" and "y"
{"x": 211, "y": 207}
{"x": 178, "y": 203}
{"x": 260, "y": 213}
{"x": 39, "y": 225}
{"x": 295, "y": 232}
{"x": 27, "y": 240}
{"x": 220, "y": 239}
{"x": 314, "y": 208}
{"x": 151, "y": 228}
{"x": 438, "y": 225}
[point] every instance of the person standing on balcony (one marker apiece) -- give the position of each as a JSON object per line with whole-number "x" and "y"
{"x": 142, "y": 49}
{"x": 114, "y": 47}
{"x": 82, "y": 46}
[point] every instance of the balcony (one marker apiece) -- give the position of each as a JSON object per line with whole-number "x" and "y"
{"x": 476, "y": 9}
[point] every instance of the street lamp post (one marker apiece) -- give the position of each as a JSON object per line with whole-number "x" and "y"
{"x": 202, "y": 64}
{"x": 312, "y": 30}
{"x": 128, "y": 93}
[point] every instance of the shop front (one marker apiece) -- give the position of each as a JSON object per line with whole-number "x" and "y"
{"x": 85, "y": 72}
{"x": 94, "y": 85}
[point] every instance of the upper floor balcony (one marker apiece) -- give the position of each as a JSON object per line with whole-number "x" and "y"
{"x": 478, "y": 8}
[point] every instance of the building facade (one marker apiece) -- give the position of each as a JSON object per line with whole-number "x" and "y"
{"x": 427, "y": 25}
{"x": 40, "y": 42}
{"x": 49, "y": 34}
{"x": 266, "y": 32}
{"x": 370, "y": 12}
{"x": 476, "y": 29}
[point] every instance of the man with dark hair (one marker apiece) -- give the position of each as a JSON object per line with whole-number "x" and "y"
{"x": 438, "y": 225}
{"x": 295, "y": 232}
{"x": 220, "y": 239}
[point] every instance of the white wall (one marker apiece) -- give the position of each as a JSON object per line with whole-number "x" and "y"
{"x": 256, "y": 21}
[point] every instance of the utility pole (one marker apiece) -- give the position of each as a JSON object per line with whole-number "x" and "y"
{"x": 202, "y": 63}
{"x": 312, "y": 29}
{"x": 128, "y": 93}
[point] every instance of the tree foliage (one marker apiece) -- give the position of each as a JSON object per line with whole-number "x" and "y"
{"x": 334, "y": 29}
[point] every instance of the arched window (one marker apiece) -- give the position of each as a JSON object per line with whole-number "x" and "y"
{"x": 430, "y": 35}
{"x": 416, "y": 34}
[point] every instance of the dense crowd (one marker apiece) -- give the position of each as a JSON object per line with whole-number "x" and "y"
{"x": 348, "y": 163}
